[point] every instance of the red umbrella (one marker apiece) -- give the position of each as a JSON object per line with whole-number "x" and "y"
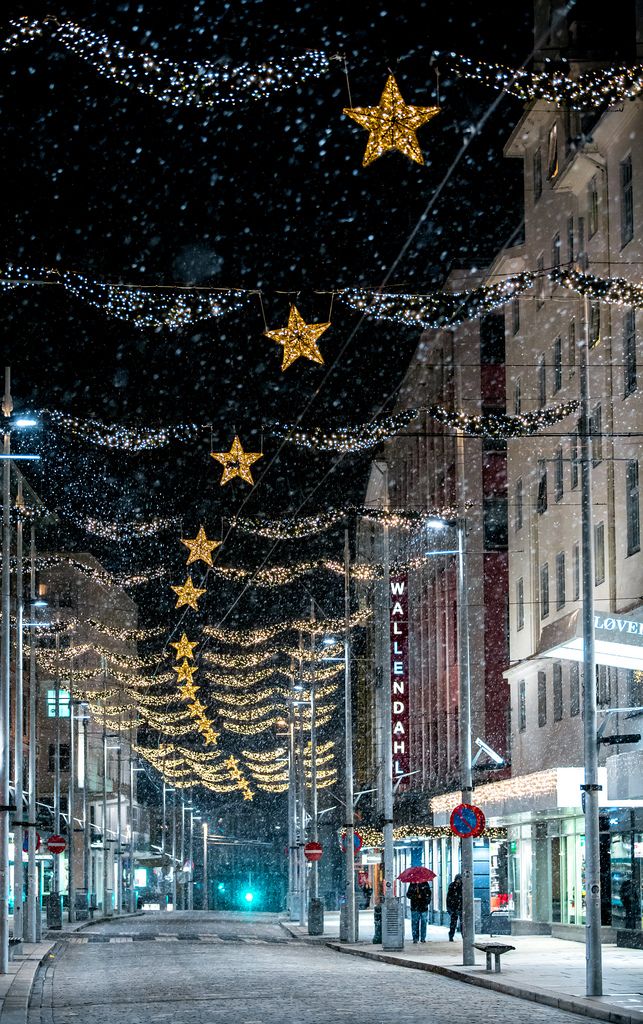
{"x": 417, "y": 874}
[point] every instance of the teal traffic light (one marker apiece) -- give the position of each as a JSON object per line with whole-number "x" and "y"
{"x": 248, "y": 896}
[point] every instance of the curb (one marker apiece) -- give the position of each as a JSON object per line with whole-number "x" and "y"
{"x": 15, "y": 1005}
{"x": 573, "y": 1004}
{"x": 78, "y": 926}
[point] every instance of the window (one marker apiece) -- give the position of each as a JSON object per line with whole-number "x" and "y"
{"x": 492, "y": 340}
{"x": 603, "y": 686}
{"x": 520, "y": 604}
{"x": 542, "y": 382}
{"x": 571, "y": 347}
{"x": 576, "y": 571}
{"x": 537, "y": 175}
{"x": 541, "y": 503}
{"x": 494, "y": 517}
{"x": 632, "y": 506}
{"x": 574, "y": 689}
{"x": 522, "y": 705}
{"x": 629, "y": 351}
{"x": 570, "y": 240}
{"x": 552, "y": 152}
{"x": 515, "y": 316}
{"x": 542, "y": 699}
{"x": 540, "y": 281}
{"x": 592, "y": 207}
{"x": 594, "y": 323}
{"x": 519, "y": 503}
{"x": 65, "y": 759}
{"x": 558, "y": 475}
{"x": 63, "y": 703}
{"x": 627, "y": 202}
{"x": 599, "y": 553}
{"x": 574, "y": 460}
{"x": 560, "y": 579}
{"x": 596, "y": 430}
{"x": 555, "y": 251}
{"x": 581, "y": 238}
{"x": 557, "y": 690}
{"x": 558, "y": 364}
{"x": 517, "y": 398}
{"x": 544, "y": 590}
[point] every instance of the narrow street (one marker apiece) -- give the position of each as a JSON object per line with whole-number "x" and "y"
{"x": 186, "y": 970}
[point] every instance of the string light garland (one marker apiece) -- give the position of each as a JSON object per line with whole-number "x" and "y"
{"x": 202, "y": 84}
{"x": 236, "y": 462}
{"x": 125, "y": 439}
{"x": 391, "y": 125}
{"x": 201, "y": 548}
{"x": 239, "y": 681}
{"x": 298, "y": 339}
{"x": 614, "y": 290}
{"x": 250, "y": 637}
{"x": 373, "y": 838}
{"x": 504, "y": 425}
{"x": 588, "y": 90}
{"x": 349, "y": 439}
{"x": 123, "y": 533}
{"x": 299, "y": 527}
{"x": 437, "y": 309}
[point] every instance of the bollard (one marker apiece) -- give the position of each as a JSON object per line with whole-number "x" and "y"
{"x": 377, "y": 924}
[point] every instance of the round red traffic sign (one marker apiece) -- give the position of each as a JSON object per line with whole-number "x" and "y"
{"x": 25, "y": 842}
{"x": 467, "y": 821}
{"x": 358, "y": 842}
{"x": 56, "y": 844}
{"x": 313, "y": 851}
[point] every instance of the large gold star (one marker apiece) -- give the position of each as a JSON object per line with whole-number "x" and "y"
{"x": 201, "y": 548}
{"x": 236, "y": 462}
{"x": 184, "y": 671}
{"x": 188, "y": 594}
{"x": 185, "y": 647}
{"x": 298, "y": 339}
{"x": 392, "y": 124}
{"x": 189, "y": 691}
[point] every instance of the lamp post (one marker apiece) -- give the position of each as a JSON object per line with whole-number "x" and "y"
{"x": 190, "y": 905}
{"x": 206, "y": 900}
{"x": 349, "y": 857}
{"x": 293, "y": 865}
{"x": 33, "y": 896}
{"x": 18, "y": 873}
{"x": 5, "y": 681}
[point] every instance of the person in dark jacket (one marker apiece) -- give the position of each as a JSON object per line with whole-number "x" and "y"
{"x": 454, "y": 905}
{"x": 419, "y": 894}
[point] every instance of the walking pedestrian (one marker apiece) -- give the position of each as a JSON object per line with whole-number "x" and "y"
{"x": 419, "y": 894}
{"x": 454, "y": 905}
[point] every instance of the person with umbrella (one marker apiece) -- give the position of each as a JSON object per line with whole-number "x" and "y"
{"x": 419, "y": 894}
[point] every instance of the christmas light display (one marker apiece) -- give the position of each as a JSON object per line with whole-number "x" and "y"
{"x": 250, "y": 637}
{"x": 298, "y": 339}
{"x": 188, "y": 595}
{"x": 238, "y": 681}
{"x": 299, "y": 527}
{"x": 504, "y": 425}
{"x": 123, "y": 533}
{"x": 126, "y": 439}
{"x": 236, "y": 462}
{"x": 391, "y": 125}
{"x": 347, "y": 439}
{"x": 184, "y": 671}
{"x": 202, "y": 84}
{"x": 615, "y": 290}
{"x": 373, "y": 838}
{"x": 201, "y": 548}
{"x": 587, "y": 90}
{"x": 437, "y": 309}
{"x": 184, "y": 648}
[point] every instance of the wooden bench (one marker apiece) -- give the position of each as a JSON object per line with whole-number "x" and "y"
{"x": 495, "y": 949}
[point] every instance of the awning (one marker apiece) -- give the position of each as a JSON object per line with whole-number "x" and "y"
{"x": 618, "y": 638}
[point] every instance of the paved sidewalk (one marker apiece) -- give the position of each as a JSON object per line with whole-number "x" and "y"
{"x": 541, "y": 968}
{"x": 16, "y": 986}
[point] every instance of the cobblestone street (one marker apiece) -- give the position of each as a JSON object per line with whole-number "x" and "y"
{"x": 250, "y": 972}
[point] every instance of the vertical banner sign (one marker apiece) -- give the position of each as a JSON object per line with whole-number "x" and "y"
{"x": 399, "y": 626}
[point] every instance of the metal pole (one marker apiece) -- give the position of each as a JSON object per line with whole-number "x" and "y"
{"x": 206, "y": 901}
{"x": 174, "y": 850}
{"x": 71, "y": 804}
{"x": 87, "y": 830}
{"x": 119, "y": 829}
{"x": 33, "y": 895}
{"x": 191, "y": 860}
{"x": 292, "y": 813}
{"x": 301, "y": 838}
{"x": 314, "y": 833}
{"x": 18, "y": 760}
{"x": 163, "y": 844}
{"x": 466, "y": 786}
{"x": 132, "y": 778}
{"x": 182, "y": 847}
{"x": 57, "y": 857}
{"x": 386, "y": 729}
{"x": 349, "y": 856}
{"x": 5, "y": 689}
{"x": 590, "y": 787}
{"x": 106, "y": 910}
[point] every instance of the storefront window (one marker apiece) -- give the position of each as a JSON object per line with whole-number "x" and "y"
{"x": 627, "y": 879}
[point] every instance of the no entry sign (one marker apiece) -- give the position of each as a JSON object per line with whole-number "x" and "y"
{"x": 467, "y": 821}
{"x": 56, "y": 844}
{"x": 313, "y": 851}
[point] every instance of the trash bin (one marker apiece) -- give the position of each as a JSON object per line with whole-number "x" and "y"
{"x": 82, "y": 905}
{"x": 54, "y": 911}
{"x": 315, "y": 916}
{"x": 377, "y": 924}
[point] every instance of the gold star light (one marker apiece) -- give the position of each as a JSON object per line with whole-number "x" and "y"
{"x": 185, "y": 647}
{"x": 188, "y": 691}
{"x": 298, "y": 339}
{"x": 236, "y": 462}
{"x": 184, "y": 671}
{"x": 391, "y": 125}
{"x": 201, "y": 548}
{"x": 188, "y": 594}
